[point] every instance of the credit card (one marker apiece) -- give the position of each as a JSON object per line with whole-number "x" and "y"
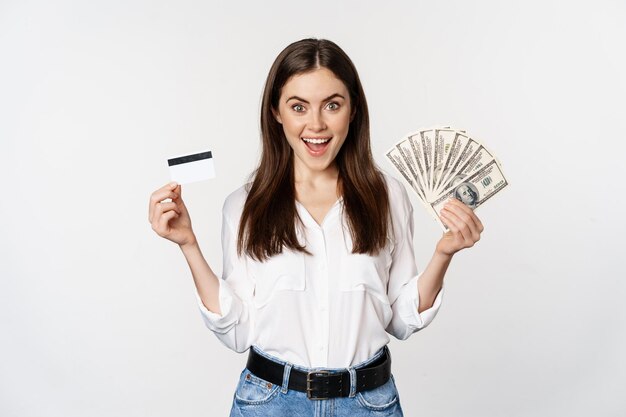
{"x": 185, "y": 169}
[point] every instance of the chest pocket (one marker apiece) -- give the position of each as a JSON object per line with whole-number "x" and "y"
{"x": 362, "y": 272}
{"x": 282, "y": 272}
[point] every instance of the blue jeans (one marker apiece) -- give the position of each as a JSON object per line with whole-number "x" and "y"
{"x": 255, "y": 397}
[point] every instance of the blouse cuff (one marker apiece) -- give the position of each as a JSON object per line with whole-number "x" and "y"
{"x": 423, "y": 319}
{"x": 230, "y": 307}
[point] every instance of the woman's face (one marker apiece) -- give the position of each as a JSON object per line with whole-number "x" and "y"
{"x": 315, "y": 111}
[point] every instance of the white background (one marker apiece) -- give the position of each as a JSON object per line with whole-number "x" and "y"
{"x": 97, "y": 313}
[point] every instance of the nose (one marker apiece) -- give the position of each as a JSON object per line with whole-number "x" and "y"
{"x": 316, "y": 122}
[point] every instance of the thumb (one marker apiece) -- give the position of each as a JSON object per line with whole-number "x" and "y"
{"x": 178, "y": 190}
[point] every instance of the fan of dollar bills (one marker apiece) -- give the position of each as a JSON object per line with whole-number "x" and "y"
{"x": 442, "y": 163}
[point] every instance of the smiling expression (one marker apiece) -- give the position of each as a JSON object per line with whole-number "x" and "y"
{"x": 315, "y": 111}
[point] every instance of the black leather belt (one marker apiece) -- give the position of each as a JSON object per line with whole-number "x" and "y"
{"x": 321, "y": 385}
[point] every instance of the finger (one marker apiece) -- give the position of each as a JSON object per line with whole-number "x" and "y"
{"x": 458, "y": 227}
{"x": 163, "y": 226}
{"x": 453, "y": 202}
{"x": 162, "y": 207}
{"x": 167, "y": 191}
{"x": 454, "y": 235}
{"x": 479, "y": 223}
{"x": 465, "y": 214}
{"x": 169, "y": 205}
{"x": 159, "y": 195}
{"x": 179, "y": 197}
{"x": 182, "y": 209}
{"x": 157, "y": 212}
{"x": 456, "y": 203}
{"x": 452, "y": 224}
{"x": 471, "y": 233}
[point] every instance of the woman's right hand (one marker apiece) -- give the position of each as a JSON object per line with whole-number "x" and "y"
{"x": 170, "y": 219}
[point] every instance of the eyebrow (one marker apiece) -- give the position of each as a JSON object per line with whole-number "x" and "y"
{"x": 305, "y": 101}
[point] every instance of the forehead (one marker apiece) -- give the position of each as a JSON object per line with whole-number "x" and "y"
{"x": 314, "y": 85}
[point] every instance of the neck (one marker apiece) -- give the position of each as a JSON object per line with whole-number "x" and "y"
{"x": 305, "y": 175}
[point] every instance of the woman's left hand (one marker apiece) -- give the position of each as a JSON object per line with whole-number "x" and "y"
{"x": 465, "y": 228}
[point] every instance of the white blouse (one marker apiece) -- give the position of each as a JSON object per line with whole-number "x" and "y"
{"x": 333, "y": 309}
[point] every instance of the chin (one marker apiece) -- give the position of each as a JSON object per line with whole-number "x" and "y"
{"x": 316, "y": 166}
{"x": 320, "y": 167}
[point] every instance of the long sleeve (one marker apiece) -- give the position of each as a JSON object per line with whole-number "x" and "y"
{"x": 403, "y": 277}
{"x": 234, "y": 327}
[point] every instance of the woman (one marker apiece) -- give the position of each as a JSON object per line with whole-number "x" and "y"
{"x": 319, "y": 266}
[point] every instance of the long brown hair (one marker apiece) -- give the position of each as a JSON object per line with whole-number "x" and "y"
{"x": 268, "y": 220}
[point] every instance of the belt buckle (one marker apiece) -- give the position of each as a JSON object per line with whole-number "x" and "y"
{"x": 308, "y": 384}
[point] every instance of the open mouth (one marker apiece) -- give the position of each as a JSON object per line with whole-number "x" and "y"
{"x": 316, "y": 146}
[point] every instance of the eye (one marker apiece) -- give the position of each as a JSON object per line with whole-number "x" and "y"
{"x": 298, "y": 108}
{"x": 333, "y": 105}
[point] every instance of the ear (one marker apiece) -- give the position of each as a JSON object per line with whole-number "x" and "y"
{"x": 352, "y": 114}
{"x": 276, "y": 115}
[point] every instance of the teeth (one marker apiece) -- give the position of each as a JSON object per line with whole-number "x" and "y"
{"x": 318, "y": 141}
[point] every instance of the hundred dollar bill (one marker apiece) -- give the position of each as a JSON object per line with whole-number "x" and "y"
{"x": 414, "y": 165}
{"x": 475, "y": 189}
{"x": 437, "y": 164}
{"x": 480, "y": 158}
{"x": 467, "y": 149}
{"x": 415, "y": 140}
{"x": 455, "y": 148}
{"x": 426, "y": 137}
{"x": 443, "y": 143}
{"x": 398, "y": 162}
{"x": 395, "y": 156}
